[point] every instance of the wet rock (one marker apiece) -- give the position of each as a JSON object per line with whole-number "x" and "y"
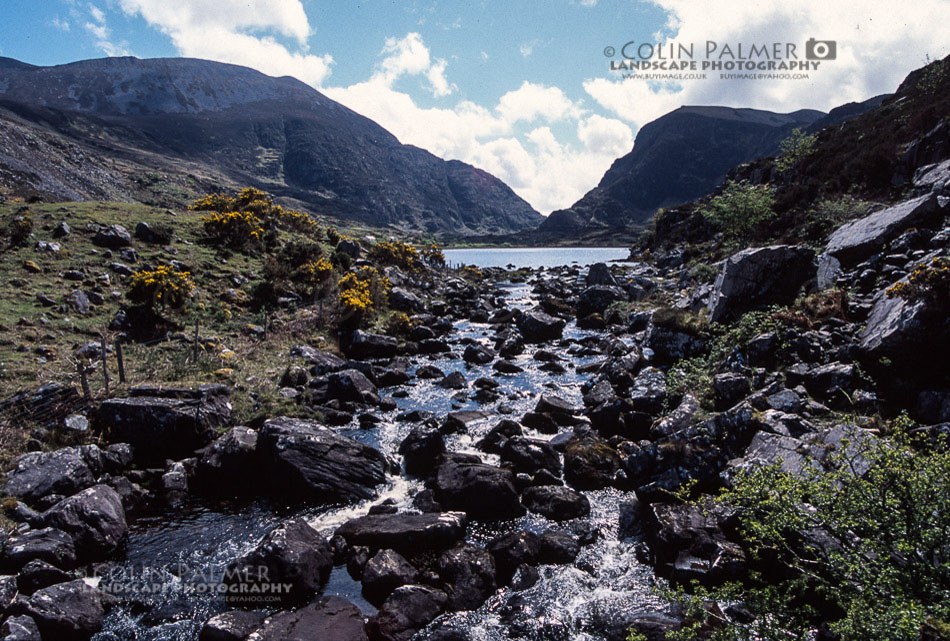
{"x": 512, "y": 550}
{"x": 478, "y": 355}
{"x": 454, "y": 380}
{"x": 469, "y": 572}
{"x": 37, "y": 575}
{"x": 525, "y": 577}
{"x": 166, "y": 424}
{"x": 328, "y": 618}
{"x": 66, "y": 612}
{"x": 236, "y": 625}
{"x": 406, "y": 611}
{"x": 858, "y": 239}
{"x": 363, "y": 346}
{"x": 94, "y": 518}
{"x": 20, "y": 628}
{"x": 293, "y": 553}
{"x": 384, "y": 572}
{"x": 670, "y": 344}
{"x": 760, "y": 276}
{"x": 421, "y": 450}
{"x": 599, "y": 274}
{"x": 590, "y": 464}
{"x": 482, "y": 491}
{"x": 8, "y": 589}
{"x": 225, "y": 464}
{"x": 530, "y": 455}
{"x": 309, "y": 462}
{"x": 506, "y": 367}
{"x": 557, "y": 546}
{"x": 432, "y": 372}
{"x": 46, "y": 544}
{"x": 537, "y": 327}
{"x": 597, "y": 298}
{"x": 64, "y": 471}
{"x": 352, "y": 385}
{"x": 556, "y": 502}
{"x": 112, "y": 237}
{"x": 550, "y": 404}
{"x": 495, "y": 440}
{"x": 648, "y": 392}
{"x": 461, "y": 422}
{"x": 406, "y": 533}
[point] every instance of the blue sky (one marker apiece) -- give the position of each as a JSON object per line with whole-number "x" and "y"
{"x": 521, "y": 88}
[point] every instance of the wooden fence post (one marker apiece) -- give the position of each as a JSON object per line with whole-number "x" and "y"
{"x": 105, "y": 367}
{"x": 82, "y": 380}
{"x": 120, "y": 360}
{"x": 196, "y": 341}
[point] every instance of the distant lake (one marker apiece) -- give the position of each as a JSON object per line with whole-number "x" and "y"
{"x": 535, "y": 257}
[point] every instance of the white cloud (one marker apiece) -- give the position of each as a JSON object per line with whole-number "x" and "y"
{"x": 532, "y": 101}
{"x": 409, "y": 56}
{"x": 59, "y": 23}
{"x": 102, "y": 33}
{"x": 242, "y": 32}
{"x": 527, "y": 48}
{"x": 876, "y": 49}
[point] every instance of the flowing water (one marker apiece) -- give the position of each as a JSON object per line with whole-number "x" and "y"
{"x": 569, "y": 602}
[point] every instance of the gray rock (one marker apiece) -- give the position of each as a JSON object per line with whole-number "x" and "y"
{"x": 934, "y": 177}
{"x": 20, "y": 628}
{"x": 363, "y": 345}
{"x": 112, "y": 237}
{"x": 235, "y": 625}
{"x": 225, "y": 464}
{"x": 328, "y": 618}
{"x": 537, "y": 327}
{"x": 406, "y": 611}
{"x": 78, "y": 301}
{"x": 760, "y": 276}
{"x": 905, "y": 332}
{"x": 405, "y": 301}
{"x": 384, "y": 572}
{"x": 469, "y": 572}
{"x": 94, "y": 518}
{"x": 66, "y": 612}
{"x": 859, "y": 239}
{"x": 64, "y": 471}
{"x": 310, "y": 462}
{"x": 482, "y": 491}
{"x": 599, "y": 274}
{"x": 829, "y": 270}
{"x": 597, "y": 298}
{"x": 556, "y": 502}
{"x": 321, "y": 362}
{"x": 46, "y": 544}
{"x": 407, "y": 533}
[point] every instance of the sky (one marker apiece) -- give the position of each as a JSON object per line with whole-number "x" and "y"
{"x": 521, "y": 88}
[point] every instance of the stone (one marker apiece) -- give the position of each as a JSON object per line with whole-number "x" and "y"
{"x": 405, "y": 301}
{"x": 309, "y": 462}
{"x": 421, "y": 451}
{"x": 94, "y": 518}
{"x": 599, "y": 274}
{"x": 679, "y": 419}
{"x": 407, "y": 610}
{"x": 66, "y": 612}
{"x": 352, "y": 385}
{"x": 45, "y": 544}
{"x": 235, "y": 625}
{"x": 328, "y": 618}
{"x": 64, "y": 471}
{"x": 461, "y": 422}
{"x": 320, "y": 362}
{"x": 590, "y": 464}
{"x": 478, "y": 355}
{"x": 469, "y": 572}
{"x": 530, "y": 456}
{"x": 556, "y": 502}
{"x": 729, "y": 388}
{"x": 760, "y": 276}
{"x": 293, "y": 554}
{"x": 384, "y": 572}
{"x": 482, "y": 491}
{"x": 225, "y": 465}
{"x": 557, "y": 546}
{"x": 406, "y": 533}
{"x": 37, "y": 575}
{"x": 647, "y": 394}
{"x": 512, "y": 550}
{"x": 112, "y": 237}
{"x": 857, "y": 240}
{"x": 596, "y": 299}
{"x": 364, "y": 346}
{"x": 537, "y": 327}
{"x": 78, "y": 301}
{"x": 20, "y": 628}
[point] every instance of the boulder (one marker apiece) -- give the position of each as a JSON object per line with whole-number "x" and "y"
{"x": 556, "y": 502}
{"x": 307, "y": 461}
{"x": 729, "y": 388}
{"x": 512, "y": 550}
{"x": 469, "y": 572}
{"x": 596, "y": 299}
{"x": 94, "y": 518}
{"x": 64, "y": 471}
{"x": 530, "y": 455}
{"x": 235, "y": 625}
{"x": 908, "y": 333}
{"x": 855, "y": 241}
{"x": 590, "y": 464}
{"x": 557, "y": 546}
{"x": 352, "y": 385}
{"x": 293, "y": 555}
{"x": 760, "y": 276}
{"x": 224, "y": 465}
{"x": 407, "y": 610}
{"x": 166, "y": 424}
{"x": 482, "y": 491}
{"x": 328, "y": 618}
{"x": 45, "y": 544}
{"x": 647, "y": 394}
{"x": 349, "y": 247}
{"x": 407, "y": 533}
{"x": 20, "y": 628}
{"x": 537, "y": 327}
{"x": 478, "y": 355}
{"x": 67, "y": 611}
{"x": 405, "y": 301}
{"x": 599, "y": 274}
{"x": 421, "y": 450}
{"x": 461, "y": 422}
{"x": 384, "y": 572}
{"x": 320, "y": 362}
{"x": 38, "y": 574}
{"x": 112, "y": 237}
{"x": 364, "y": 346}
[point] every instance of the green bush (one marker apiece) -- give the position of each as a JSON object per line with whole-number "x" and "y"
{"x": 740, "y": 208}
{"x": 882, "y": 570}
{"x": 19, "y": 230}
{"x": 794, "y": 148}
{"x": 829, "y": 214}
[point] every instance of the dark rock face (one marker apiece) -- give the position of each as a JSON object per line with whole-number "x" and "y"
{"x": 513, "y": 550}
{"x": 225, "y": 464}
{"x": 45, "y": 544}
{"x": 590, "y": 464}
{"x": 537, "y": 327}
{"x": 363, "y": 346}
{"x": 223, "y": 116}
{"x": 482, "y": 491}
{"x": 166, "y": 424}
{"x": 421, "y": 450}
{"x": 384, "y": 572}
{"x": 855, "y": 241}
{"x": 469, "y": 571}
{"x": 328, "y": 618}
{"x": 599, "y": 274}
{"x": 406, "y": 611}
{"x": 597, "y": 298}
{"x": 406, "y": 533}
{"x": 235, "y": 625}
{"x": 67, "y": 611}
{"x": 293, "y": 553}
{"x": 760, "y": 276}
{"x": 309, "y": 462}
{"x": 64, "y": 471}
{"x": 555, "y": 502}
{"x": 531, "y": 455}
{"x": 94, "y": 518}
{"x": 905, "y": 332}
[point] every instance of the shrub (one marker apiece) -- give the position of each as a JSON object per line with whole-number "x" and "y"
{"x": 249, "y": 219}
{"x": 794, "y": 148}
{"x": 433, "y": 256}
{"x": 19, "y": 230}
{"x": 362, "y": 292}
{"x": 826, "y": 216}
{"x": 876, "y": 565}
{"x": 235, "y": 229}
{"x": 314, "y": 275}
{"x": 333, "y": 236}
{"x": 929, "y": 282}
{"x": 164, "y": 287}
{"x": 213, "y": 202}
{"x": 342, "y": 260}
{"x": 470, "y": 272}
{"x": 399, "y": 324}
{"x": 740, "y": 208}
{"x": 396, "y": 253}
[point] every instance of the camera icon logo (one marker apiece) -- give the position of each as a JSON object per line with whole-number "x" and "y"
{"x": 821, "y": 49}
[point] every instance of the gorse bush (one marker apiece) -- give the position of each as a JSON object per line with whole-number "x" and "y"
{"x": 164, "y": 287}
{"x": 740, "y": 208}
{"x": 19, "y": 230}
{"x": 433, "y": 256}
{"x": 929, "y": 282}
{"x": 397, "y": 254}
{"x": 250, "y": 220}
{"x": 863, "y": 540}
{"x": 362, "y": 292}
{"x": 794, "y": 148}
{"x": 236, "y": 230}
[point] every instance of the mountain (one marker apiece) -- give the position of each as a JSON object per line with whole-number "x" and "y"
{"x": 100, "y": 128}
{"x": 684, "y": 155}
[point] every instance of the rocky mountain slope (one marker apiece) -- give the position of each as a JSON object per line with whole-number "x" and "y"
{"x": 130, "y": 129}
{"x": 684, "y": 155}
